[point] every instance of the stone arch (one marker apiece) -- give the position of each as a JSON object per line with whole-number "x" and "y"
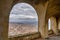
{"x": 32, "y": 14}
{"x": 41, "y": 12}
{"x": 39, "y": 7}
{"x": 53, "y": 11}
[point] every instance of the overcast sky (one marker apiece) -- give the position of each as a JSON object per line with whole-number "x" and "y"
{"x": 23, "y": 12}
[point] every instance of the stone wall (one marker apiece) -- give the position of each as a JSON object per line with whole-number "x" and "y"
{"x": 41, "y": 9}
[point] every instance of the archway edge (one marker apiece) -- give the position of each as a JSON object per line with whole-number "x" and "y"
{"x": 5, "y": 11}
{"x": 41, "y": 12}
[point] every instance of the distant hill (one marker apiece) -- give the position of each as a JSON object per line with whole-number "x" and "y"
{"x": 24, "y": 21}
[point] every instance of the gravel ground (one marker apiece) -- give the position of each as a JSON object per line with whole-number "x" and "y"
{"x": 16, "y": 29}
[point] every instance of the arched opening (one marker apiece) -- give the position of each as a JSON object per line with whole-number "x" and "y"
{"x": 49, "y": 27}
{"x": 23, "y": 19}
{"x": 49, "y": 24}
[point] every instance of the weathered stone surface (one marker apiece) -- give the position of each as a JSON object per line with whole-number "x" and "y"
{"x": 51, "y": 7}
{"x": 54, "y": 25}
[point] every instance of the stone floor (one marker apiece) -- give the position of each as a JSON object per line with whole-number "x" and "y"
{"x": 50, "y": 38}
{"x": 54, "y": 38}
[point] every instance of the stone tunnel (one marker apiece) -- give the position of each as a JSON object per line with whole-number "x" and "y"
{"x": 46, "y": 9}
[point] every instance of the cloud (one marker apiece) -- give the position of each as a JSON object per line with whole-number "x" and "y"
{"x": 22, "y": 11}
{"x": 22, "y": 16}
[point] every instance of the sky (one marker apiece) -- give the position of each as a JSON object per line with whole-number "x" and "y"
{"x": 23, "y": 12}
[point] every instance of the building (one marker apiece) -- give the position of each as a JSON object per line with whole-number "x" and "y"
{"x": 45, "y": 9}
